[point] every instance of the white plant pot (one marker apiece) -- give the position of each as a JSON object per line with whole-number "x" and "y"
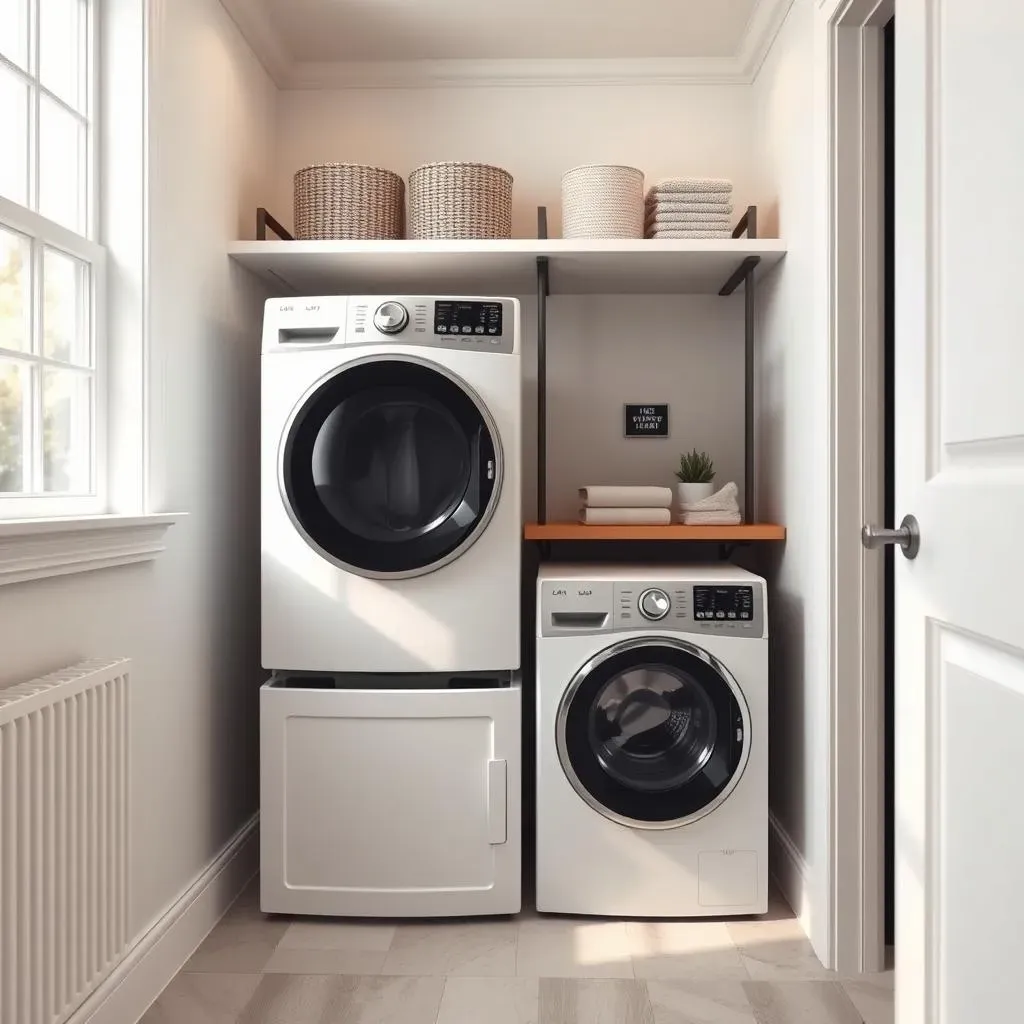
{"x": 688, "y": 494}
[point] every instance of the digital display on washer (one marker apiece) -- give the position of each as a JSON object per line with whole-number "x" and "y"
{"x": 473, "y": 318}
{"x": 729, "y": 603}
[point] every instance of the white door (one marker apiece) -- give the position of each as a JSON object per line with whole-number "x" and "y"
{"x": 959, "y": 387}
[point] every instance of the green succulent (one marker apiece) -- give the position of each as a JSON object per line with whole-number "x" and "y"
{"x": 696, "y": 468}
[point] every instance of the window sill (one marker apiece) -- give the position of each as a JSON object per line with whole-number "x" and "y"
{"x": 33, "y": 549}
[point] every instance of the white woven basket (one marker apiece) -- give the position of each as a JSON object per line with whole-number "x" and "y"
{"x": 348, "y": 201}
{"x": 603, "y": 201}
{"x": 460, "y": 200}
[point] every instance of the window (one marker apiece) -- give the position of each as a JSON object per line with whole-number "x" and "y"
{"x": 52, "y": 412}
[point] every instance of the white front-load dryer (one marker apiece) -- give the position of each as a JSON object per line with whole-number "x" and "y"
{"x": 390, "y": 477}
{"x": 652, "y": 741}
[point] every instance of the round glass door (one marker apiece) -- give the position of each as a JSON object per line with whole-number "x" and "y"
{"x": 391, "y": 467}
{"x": 653, "y": 732}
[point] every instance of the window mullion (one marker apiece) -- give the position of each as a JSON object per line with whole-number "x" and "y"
{"x": 36, "y": 372}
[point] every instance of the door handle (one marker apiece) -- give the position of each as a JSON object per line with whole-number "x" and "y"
{"x": 907, "y": 537}
{"x": 497, "y": 802}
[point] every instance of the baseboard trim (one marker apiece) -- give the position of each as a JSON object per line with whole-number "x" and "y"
{"x": 162, "y": 950}
{"x": 789, "y": 869}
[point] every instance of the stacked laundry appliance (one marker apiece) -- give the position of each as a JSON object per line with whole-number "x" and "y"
{"x": 390, "y": 729}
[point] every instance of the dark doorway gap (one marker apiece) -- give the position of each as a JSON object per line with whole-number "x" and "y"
{"x": 889, "y": 434}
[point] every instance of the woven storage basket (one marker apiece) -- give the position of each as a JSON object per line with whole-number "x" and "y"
{"x": 603, "y": 201}
{"x": 348, "y": 201}
{"x": 460, "y": 200}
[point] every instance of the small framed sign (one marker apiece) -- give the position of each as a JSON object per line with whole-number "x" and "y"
{"x": 646, "y": 420}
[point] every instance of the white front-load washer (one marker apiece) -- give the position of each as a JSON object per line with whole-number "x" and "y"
{"x": 652, "y": 741}
{"x": 390, "y": 472}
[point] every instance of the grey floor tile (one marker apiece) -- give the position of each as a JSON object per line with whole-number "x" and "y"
{"x": 777, "y": 950}
{"x": 558, "y": 947}
{"x": 489, "y": 1001}
{"x": 480, "y": 949}
{"x": 330, "y": 934}
{"x": 684, "y": 949}
{"x": 873, "y": 995}
{"x": 324, "y": 961}
{"x": 203, "y": 999}
{"x": 579, "y": 1001}
{"x": 238, "y": 945}
{"x": 299, "y": 999}
{"x": 394, "y": 1001}
{"x": 801, "y": 1002}
{"x": 699, "y": 1002}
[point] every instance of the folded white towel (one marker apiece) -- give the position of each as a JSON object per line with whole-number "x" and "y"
{"x": 719, "y": 509}
{"x": 710, "y": 518}
{"x": 685, "y": 220}
{"x": 692, "y": 185}
{"x": 610, "y": 496}
{"x": 657, "y": 198}
{"x": 625, "y": 516}
{"x": 665, "y": 233}
{"x": 664, "y": 206}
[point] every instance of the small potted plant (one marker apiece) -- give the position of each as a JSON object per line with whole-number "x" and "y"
{"x": 696, "y": 477}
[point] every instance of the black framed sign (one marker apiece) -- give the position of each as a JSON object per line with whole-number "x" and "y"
{"x": 646, "y": 420}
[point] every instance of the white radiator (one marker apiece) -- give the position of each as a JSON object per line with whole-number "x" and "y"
{"x": 63, "y": 838}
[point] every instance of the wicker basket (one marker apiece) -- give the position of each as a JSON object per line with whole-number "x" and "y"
{"x": 348, "y": 201}
{"x": 602, "y": 201}
{"x": 460, "y": 200}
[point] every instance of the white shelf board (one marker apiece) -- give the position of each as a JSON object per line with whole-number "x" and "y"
{"x": 505, "y": 266}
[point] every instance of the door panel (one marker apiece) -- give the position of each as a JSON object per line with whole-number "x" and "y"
{"x": 959, "y": 633}
{"x": 391, "y": 467}
{"x": 390, "y": 802}
{"x": 974, "y": 783}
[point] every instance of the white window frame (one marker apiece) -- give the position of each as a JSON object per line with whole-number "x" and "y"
{"x": 44, "y": 233}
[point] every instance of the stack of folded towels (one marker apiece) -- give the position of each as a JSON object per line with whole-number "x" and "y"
{"x": 626, "y": 506}
{"x": 689, "y": 208}
{"x": 719, "y": 509}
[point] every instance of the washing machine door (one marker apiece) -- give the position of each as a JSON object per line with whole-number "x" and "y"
{"x": 653, "y": 732}
{"x": 391, "y": 466}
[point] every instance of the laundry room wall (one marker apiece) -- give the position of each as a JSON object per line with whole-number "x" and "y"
{"x": 536, "y": 132}
{"x": 189, "y": 620}
{"x": 792, "y": 475}
{"x": 603, "y": 350}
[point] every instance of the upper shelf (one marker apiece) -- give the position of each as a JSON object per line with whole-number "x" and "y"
{"x": 504, "y": 266}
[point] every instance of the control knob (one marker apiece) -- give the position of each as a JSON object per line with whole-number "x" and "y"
{"x": 391, "y": 318}
{"x": 654, "y": 604}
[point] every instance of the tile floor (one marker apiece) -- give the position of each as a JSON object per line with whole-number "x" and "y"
{"x": 525, "y": 970}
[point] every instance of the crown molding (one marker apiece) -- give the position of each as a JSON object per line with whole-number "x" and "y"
{"x": 257, "y": 28}
{"x": 541, "y": 72}
{"x": 766, "y": 21}
{"x": 740, "y": 69}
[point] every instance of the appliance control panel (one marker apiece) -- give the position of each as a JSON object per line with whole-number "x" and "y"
{"x": 472, "y": 324}
{"x": 580, "y": 606}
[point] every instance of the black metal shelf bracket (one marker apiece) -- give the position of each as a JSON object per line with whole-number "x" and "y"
{"x": 543, "y": 291}
{"x": 744, "y": 274}
{"x": 264, "y": 220}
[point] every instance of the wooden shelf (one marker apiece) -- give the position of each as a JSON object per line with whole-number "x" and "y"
{"x": 722, "y": 534}
{"x": 504, "y": 266}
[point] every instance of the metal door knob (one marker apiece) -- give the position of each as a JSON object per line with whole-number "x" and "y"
{"x": 907, "y": 537}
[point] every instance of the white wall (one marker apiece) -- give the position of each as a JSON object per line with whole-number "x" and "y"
{"x": 792, "y": 471}
{"x": 536, "y": 133}
{"x": 190, "y": 619}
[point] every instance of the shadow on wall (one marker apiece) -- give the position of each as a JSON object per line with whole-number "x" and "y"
{"x": 786, "y": 689}
{"x": 233, "y": 635}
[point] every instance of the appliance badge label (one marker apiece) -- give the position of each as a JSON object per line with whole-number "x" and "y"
{"x": 646, "y": 421}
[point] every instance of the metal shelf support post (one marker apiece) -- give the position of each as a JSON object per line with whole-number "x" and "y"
{"x": 745, "y": 273}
